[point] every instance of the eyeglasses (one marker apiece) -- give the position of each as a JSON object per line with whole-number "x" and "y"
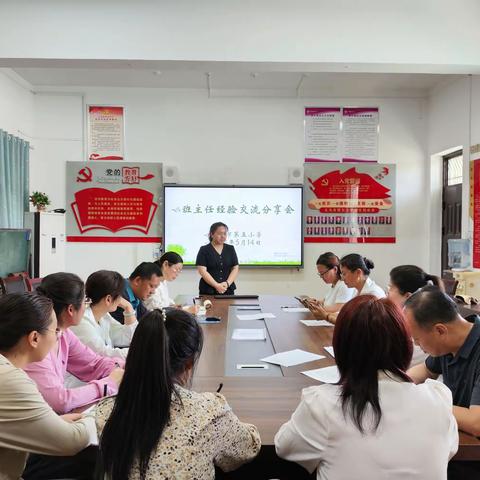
{"x": 321, "y": 274}
{"x": 87, "y": 301}
{"x": 57, "y": 332}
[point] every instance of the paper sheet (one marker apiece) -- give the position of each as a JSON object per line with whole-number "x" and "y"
{"x": 330, "y": 351}
{"x": 325, "y": 375}
{"x": 249, "y": 334}
{"x": 250, "y": 307}
{"x": 316, "y": 323}
{"x": 292, "y": 357}
{"x": 255, "y": 316}
{"x": 295, "y": 309}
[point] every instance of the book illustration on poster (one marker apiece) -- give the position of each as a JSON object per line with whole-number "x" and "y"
{"x": 127, "y": 209}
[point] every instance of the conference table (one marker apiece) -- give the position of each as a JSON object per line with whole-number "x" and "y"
{"x": 267, "y": 397}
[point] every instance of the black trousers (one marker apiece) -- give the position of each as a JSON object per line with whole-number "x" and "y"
{"x": 45, "y": 467}
{"x": 458, "y": 470}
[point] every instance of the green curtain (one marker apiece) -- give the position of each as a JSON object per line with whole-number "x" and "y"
{"x": 14, "y": 157}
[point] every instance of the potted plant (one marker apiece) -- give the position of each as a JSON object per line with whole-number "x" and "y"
{"x": 39, "y": 200}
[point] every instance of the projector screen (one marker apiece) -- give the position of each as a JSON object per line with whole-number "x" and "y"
{"x": 265, "y": 223}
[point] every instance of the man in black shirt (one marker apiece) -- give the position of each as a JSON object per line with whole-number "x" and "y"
{"x": 453, "y": 345}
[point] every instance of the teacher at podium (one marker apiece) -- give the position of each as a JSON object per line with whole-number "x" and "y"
{"x": 217, "y": 263}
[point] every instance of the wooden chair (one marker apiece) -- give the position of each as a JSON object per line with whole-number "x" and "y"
{"x": 14, "y": 284}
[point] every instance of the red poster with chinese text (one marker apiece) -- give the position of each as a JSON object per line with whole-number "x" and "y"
{"x": 113, "y": 202}
{"x": 349, "y": 204}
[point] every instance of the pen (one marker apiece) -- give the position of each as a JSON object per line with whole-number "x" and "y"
{"x": 219, "y": 387}
{"x": 105, "y": 390}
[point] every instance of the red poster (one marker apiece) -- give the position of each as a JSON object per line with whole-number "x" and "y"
{"x": 476, "y": 214}
{"x": 105, "y": 132}
{"x": 113, "y": 202}
{"x": 345, "y": 204}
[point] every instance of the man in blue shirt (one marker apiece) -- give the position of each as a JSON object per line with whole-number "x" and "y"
{"x": 141, "y": 284}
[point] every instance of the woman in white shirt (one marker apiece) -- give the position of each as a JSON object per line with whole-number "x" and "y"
{"x": 171, "y": 265}
{"x": 28, "y": 332}
{"x": 355, "y": 272}
{"x": 98, "y": 329}
{"x": 375, "y": 423}
{"x": 328, "y": 269}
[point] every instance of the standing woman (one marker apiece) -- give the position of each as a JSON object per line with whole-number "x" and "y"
{"x": 217, "y": 263}
{"x": 328, "y": 269}
{"x": 101, "y": 374}
{"x": 28, "y": 332}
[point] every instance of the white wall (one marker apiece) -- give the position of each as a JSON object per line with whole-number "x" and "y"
{"x": 226, "y": 140}
{"x": 426, "y": 35}
{"x": 453, "y": 119}
{"x": 16, "y": 106}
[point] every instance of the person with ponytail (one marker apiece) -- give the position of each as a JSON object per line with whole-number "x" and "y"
{"x": 405, "y": 280}
{"x": 28, "y": 332}
{"x": 355, "y": 271}
{"x": 156, "y": 427}
{"x": 373, "y": 423}
{"x": 102, "y": 375}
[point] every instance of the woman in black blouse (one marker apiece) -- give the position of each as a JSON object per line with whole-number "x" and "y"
{"x": 217, "y": 263}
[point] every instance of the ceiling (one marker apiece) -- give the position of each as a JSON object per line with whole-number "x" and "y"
{"x": 230, "y": 79}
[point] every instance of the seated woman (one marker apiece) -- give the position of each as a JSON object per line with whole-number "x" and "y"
{"x": 102, "y": 374}
{"x": 375, "y": 423}
{"x": 98, "y": 329}
{"x": 178, "y": 433}
{"x": 355, "y": 271}
{"x": 405, "y": 280}
{"x": 28, "y": 332}
{"x": 171, "y": 264}
{"x": 328, "y": 268}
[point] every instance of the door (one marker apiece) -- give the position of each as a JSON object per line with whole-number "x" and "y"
{"x": 451, "y": 201}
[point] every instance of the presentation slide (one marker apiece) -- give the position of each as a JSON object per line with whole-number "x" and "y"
{"x": 264, "y": 223}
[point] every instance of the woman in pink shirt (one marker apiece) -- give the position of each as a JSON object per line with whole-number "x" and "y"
{"x": 101, "y": 374}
